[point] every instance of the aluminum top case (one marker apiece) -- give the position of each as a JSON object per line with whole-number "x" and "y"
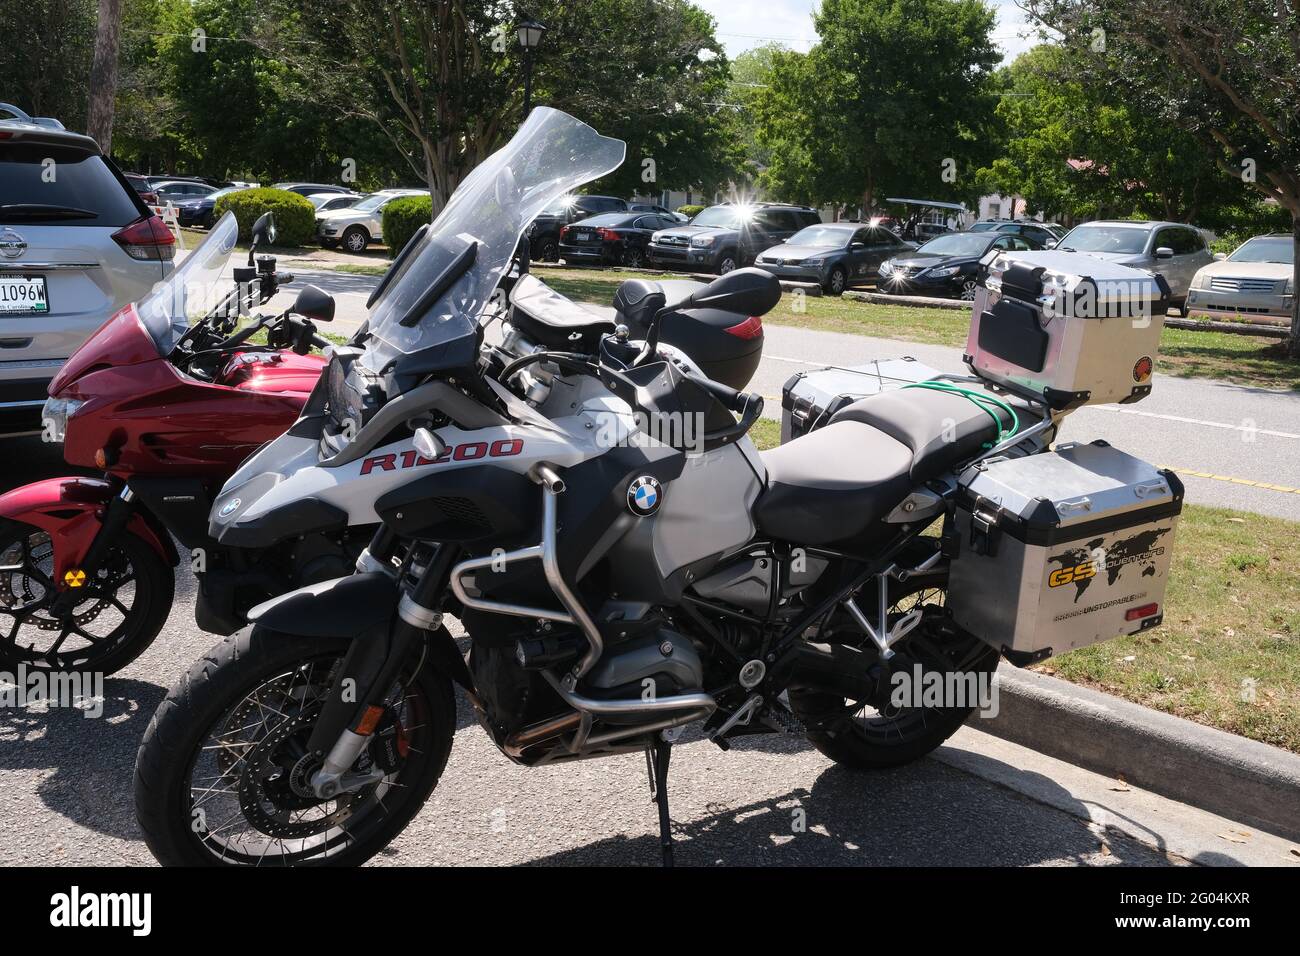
{"x": 1068, "y": 327}
{"x": 1063, "y": 549}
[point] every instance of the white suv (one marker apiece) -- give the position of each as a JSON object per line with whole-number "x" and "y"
{"x": 76, "y": 245}
{"x": 358, "y": 226}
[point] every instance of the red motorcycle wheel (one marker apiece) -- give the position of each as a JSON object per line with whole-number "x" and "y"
{"x": 126, "y": 604}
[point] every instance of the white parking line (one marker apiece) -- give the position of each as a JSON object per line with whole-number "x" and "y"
{"x": 1196, "y": 421}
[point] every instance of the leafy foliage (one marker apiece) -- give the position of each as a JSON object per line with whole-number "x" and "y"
{"x": 896, "y": 98}
{"x": 402, "y": 217}
{"x": 295, "y": 217}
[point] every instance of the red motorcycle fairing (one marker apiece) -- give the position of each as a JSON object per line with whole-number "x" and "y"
{"x": 121, "y": 340}
{"x": 71, "y": 511}
{"x": 156, "y": 420}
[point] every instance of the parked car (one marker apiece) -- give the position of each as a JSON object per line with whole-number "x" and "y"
{"x": 1257, "y": 279}
{"x": 1041, "y": 232}
{"x": 74, "y": 249}
{"x": 661, "y": 210}
{"x": 612, "y": 237}
{"x": 360, "y": 224}
{"x": 1172, "y": 249}
{"x": 834, "y": 254}
{"x": 308, "y": 189}
{"x": 177, "y": 191}
{"x": 728, "y": 236}
{"x": 925, "y": 231}
{"x": 544, "y": 233}
{"x": 199, "y": 212}
{"x": 327, "y": 202}
{"x": 143, "y": 188}
{"x": 946, "y": 267}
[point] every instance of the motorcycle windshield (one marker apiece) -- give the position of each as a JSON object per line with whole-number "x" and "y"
{"x": 193, "y": 289}
{"x": 446, "y": 281}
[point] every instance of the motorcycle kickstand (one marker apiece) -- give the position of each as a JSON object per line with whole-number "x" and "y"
{"x": 657, "y": 756}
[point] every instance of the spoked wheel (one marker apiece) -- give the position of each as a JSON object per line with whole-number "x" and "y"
{"x": 633, "y": 258}
{"x": 123, "y": 606}
{"x": 881, "y": 731}
{"x": 968, "y": 288}
{"x": 224, "y": 775}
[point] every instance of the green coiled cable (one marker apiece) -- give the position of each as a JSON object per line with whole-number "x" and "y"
{"x": 982, "y": 400}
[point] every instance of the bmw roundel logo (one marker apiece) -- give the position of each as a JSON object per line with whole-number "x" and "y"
{"x": 229, "y": 508}
{"x": 644, "y": 495}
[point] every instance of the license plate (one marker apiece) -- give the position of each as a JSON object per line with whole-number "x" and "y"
{"x": 582, "y": 236}
{"x": 23, "y": 294}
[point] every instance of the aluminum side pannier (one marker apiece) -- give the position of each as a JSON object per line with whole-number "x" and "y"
{"x": 1061, "y": 550}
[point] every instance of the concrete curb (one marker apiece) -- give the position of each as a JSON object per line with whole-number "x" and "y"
{"x": 1228, "y": 775}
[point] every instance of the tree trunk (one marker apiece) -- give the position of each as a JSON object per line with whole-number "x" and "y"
{"x": 1293, "y": 345}
{"x": 103, "y": 75}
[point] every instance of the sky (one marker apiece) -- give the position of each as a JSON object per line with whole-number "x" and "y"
{"x": 743, "y": 24}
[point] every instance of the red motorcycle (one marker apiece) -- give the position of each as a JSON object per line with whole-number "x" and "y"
{"x": 167, "y": 410}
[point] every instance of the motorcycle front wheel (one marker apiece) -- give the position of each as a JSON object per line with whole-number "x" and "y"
{"x": 223, "y": 773}
{"x": 124, "y": 606}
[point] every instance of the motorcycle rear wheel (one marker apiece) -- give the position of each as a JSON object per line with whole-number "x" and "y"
{"x": 256, "y": 691}
{"x": 125, "y": 606}
{"x": 858, "y": 735}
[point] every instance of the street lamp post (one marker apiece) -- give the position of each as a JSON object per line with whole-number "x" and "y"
{"x": 530, "y": 38}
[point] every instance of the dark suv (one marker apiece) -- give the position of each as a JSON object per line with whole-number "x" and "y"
{"x": 728, "y": 236}
{"x": 544, "y": 233}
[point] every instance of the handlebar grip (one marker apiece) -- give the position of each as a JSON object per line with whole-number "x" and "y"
{"x": 320, "y": 342}
{"x": 283, "y": 277}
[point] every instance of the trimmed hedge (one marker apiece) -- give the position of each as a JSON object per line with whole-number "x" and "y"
{"x": 295, "y": 217}
{"x": 402, "y": 217}
{"x": 690, "y": 212}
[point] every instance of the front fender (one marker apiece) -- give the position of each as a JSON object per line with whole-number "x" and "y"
{"x": 71, "y": 512}
{"x": 359, "y": 606}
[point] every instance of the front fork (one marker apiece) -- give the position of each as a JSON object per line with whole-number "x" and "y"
{"x": 374, "y": 661}
{"x": 116, "y": 515}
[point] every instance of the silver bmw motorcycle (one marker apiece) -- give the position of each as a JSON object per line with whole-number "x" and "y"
{"x": 589, "y": 508}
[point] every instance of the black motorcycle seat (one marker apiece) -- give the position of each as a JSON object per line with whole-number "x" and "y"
{"x": 832, "y": 484}
{"x": 552, "y": 320}
{"x": 939, "y": 428}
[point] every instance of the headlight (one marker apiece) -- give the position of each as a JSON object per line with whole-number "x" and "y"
{"x": 55, "y": 415}
{"x": 1201, "y": 280}
{"x": 811, "y": 261}
{"x": 945, "y": 273}
{"x": 886, "y": 267}
{"x": 1290, "y": 287}
{"x": 654, "y": 236}
{"x": 703, "y": 242}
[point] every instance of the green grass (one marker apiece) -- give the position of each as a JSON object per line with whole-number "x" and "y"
{"x": 1228, "y": 652}
{"x": 1239, "y": 359}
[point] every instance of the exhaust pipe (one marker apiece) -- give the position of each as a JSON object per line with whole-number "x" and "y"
{"x": 540, "y": 732}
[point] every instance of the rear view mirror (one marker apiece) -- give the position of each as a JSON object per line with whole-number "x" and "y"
{"x": 1164, "y": 252}
{"x": 314, "y": 303}
{"x": 264, "y": 229}
{"x": 1220, "y": 256}
{"x": 1050, "y": 244}
{"x": 745, "y": 291}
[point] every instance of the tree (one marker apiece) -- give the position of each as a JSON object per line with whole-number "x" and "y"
{"x": 1226, "y": 71}
{"x": 1086, "y": 149}
{"x": 45, "y": 67}
{"x": 442, "y": 80}
{"x": 103, "y": 74}
{"x": 897, "y": 96}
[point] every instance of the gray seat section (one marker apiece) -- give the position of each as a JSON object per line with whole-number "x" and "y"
{"x": 939, "y": 428}
{"x": 831, "y": 484}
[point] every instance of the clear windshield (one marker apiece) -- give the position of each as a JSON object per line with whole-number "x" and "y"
{"x": 828, "y": 236}
{"x": 727, "y": 217}
{"x": 551, "y": 155}
{"x": 1121, "y": 240}
{"x": 193, "y": 289}
{"x": 1276, "y": 249}
{"x": 957, "y": 244}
